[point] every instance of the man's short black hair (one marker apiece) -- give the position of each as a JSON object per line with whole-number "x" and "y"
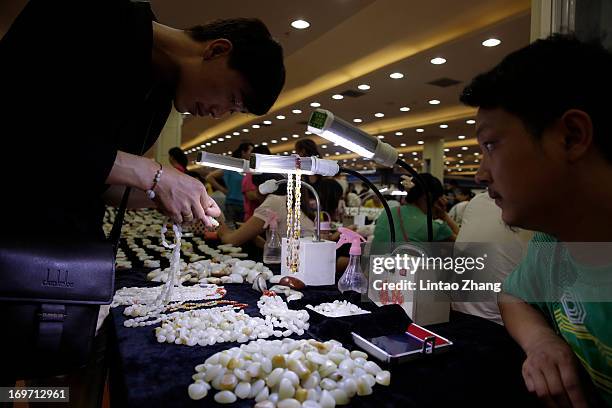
{"x": 542, "y": 81}
{"x": 255, "y": 54}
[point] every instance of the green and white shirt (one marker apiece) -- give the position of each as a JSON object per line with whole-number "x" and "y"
{"x": 564, "y": 291}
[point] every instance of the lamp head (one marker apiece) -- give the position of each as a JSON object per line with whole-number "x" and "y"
{"x": 223, "y": 162}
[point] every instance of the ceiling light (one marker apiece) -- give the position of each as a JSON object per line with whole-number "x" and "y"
{"x": 267, "y": 122}
{"x": 403, "y": 144}
{"x": 284, "y": 139}
{"x": 491, "y": 42}
{"x": 264, "y": 144}
{"x": 476, "y": 161}
{"x": 416, "y": 159}
{"x": 380, "y": 136}
{"x": 464, "y": 148}
{"x": 364, "y": 87}
{"x": 357, "y": 120}
{"x": 438, "y": 61}
{"x": 404, "y": 109}
{"x": 295, "y": 136}
{"x": 459, "y": 155}
{"x": 326, "y": 154}
{"x": 461, "y": 137}
{"x": 461, "y": 161}
{"x": 214, "y": 142}
{"x": 293, "y": 151}
{"x": 285, "y": 153}
{"x": 280, "y": 117}
{"x": 434, "y": 102}
{"x": 470, "y": 121}
{"x": 415, "y": 153}
{"x": 315, "y": 104}
{"x": 296, "y": 111}
{"x": 255, "y": 126}
{"x": 401, "y": 155}
{"x": 221, "y": 139}
{"x": 337, "y": 97}
{"x": 396, "y": 75}
{"x": 245, "y": 130}
{"x": 476, "y": 154}
{"x": 443, "y": 126}
{"x": 208, "y": 144}
{"x": 420, "y": 142}
{"x": 398, "y": 133}
{"x": 347, "y": 151}
{"x": 419, "y": 130}
{"x": 447, "y": 150}
{"x": 236, "y": 133}
{"x": 337, "y": 153}
{"x": 344, "y": 161}
{"x": 228, "y": 136}
{"x": 300, "y": 24}
{"x": 323, "y": 146}
{"x": 379, "y": 115}
{"x": 308, "y": 132}
{"x": 274, "y": 141}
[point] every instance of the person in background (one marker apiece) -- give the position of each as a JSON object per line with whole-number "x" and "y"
{"x": 410, "y": 220}
{"x": 178, "y": 160}
{"x": 234, "y": 201}
{"x": 308, "y": 148}
{"x": 484, "y": 231}
{"x": 463, "y": 195}
{"x": 275, "y": 202}
{"x": 252, "y": 198}
{"x": 547, "y": 161}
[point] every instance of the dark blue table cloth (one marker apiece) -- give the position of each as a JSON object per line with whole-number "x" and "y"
{"x": 483, "y": 367}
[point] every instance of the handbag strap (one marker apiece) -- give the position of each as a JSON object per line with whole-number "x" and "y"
{"x": 401, "y": 220}
{"x": 50, "y": 326}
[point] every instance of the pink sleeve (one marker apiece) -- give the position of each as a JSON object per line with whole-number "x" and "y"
{"x": 247, "y": 183}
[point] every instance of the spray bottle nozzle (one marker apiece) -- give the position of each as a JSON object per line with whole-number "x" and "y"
{"x": 352, "y": 237}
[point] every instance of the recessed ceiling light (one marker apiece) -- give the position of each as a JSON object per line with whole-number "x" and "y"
{"x": 464, "y": 148}
{"x": 419, "y": 130}
{"x": 379, "y": 115}
{"x": 267, "y": 122}
{"x": 354, "y": 159}
{"x": 446, "y": 162}
{"x": 228, "y": 136}
{"x": 459, "y": 155}
{"x": 476, "y": 154}
{"x": 401, "y": 155}
{"x": 396, "y": 75}
{"x": 295, "y": 136}
{"x": 403, "y": 144}
{"x": 461, "y": 161}
{"x": 447, "y": 150}
{"x": 416, "y": 159}
{"x": 274, "y": 141}
{"x": 285, "y": 153}
{"x": 443, "y": 126}
{"x": 344, "y": 161}
{"x": 293, "y": 151}
{"x": 284, "y": 139}
{"x": 398, "y": 133}
{"x": 420, "y": 142}
{"x": 236, "y": 133}
{"x": 461, "y": 137}
{"x": 300, "y": 24}
{"x": 214, "y": 142}
{"x": 326, "y": 154}
{"x": 296, "y": 111}
{"x": 415, "y": 153}
{"x": 337, "y": 153}
{"x": 364, "y": 87}
{"x": 255, "y": 126}
{"x": 280, "y": 117}
{"x": 221, "y": 139}
{"x": 307, "y": 133}
{"x": 256, "y": 145}
{"x": 347, "y": 151}
{"x": 404, "y": 109}
{"x": 208, "y": 144}
{"x": 380, "y": 136}
{"x": 470, "y": 121}
{"x": 357, "y": 120}
{"x": 337, "y": 97}
{"x": 315, "y": 104}
{"x": 434, "y": 102}
{"x": 323, "y": 146}
{"x": 459, "y": 169}
{"x": 476, "y": 161}
{"x": 438, "y": 61}
{"x": 491, "y": 42}
{"x": 264, "y": 144}
{"x": 245, "y": 130}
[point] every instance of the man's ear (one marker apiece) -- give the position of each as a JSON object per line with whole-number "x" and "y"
{"x": 578, "y": 137}
{"x": 217, "y": 48}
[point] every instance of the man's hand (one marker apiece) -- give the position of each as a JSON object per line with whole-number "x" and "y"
{"x": 551, "y": 372}
{"x": 183, "y": 198}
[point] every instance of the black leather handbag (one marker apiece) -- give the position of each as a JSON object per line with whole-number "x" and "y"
{"x": 50, "y": 296}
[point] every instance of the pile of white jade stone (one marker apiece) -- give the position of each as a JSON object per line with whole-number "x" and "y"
{"x": 288, "y": 374}
{"x": 206, "y": 327}
{"x": 338, "y": 308}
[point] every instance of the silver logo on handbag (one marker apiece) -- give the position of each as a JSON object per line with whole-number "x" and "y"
{"x": 58, "y": 282}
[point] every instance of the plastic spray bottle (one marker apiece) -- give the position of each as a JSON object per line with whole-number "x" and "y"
{"x": 352, "y": 279}
{"x": 272, "y": 248}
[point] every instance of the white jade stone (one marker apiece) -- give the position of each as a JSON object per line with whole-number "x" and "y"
{"x": 363, "y": 388}
{"x": 327, "y": 400}
{"x": 275, "y": 377}
{"x": 340, "y": 396}
{"x": 243, "y": 389}
{"x": 383, "y": 377}
{"x": 275, "y": 279}
{"x": 356, "y": 354}
{"x": 310, "y": 404}
{"x": 265, "y": 404}
{"x": 328, "y": 384}
{"x": 225, "y": 397}
{"x": 256, "y": 387}
{"x": 349, "y": 386}
{"x": 369, "y": 378}
{"x": 236, "y": 278}
{"x": 289, "y": 403}
{"x": 285, "y": 389}
{"x": 197, "y": 390}
{"x": 372, "y": 368}
{"x": 263, "y": 395}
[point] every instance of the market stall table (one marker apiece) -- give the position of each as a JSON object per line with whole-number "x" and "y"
{"x": 482, "y": 368}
